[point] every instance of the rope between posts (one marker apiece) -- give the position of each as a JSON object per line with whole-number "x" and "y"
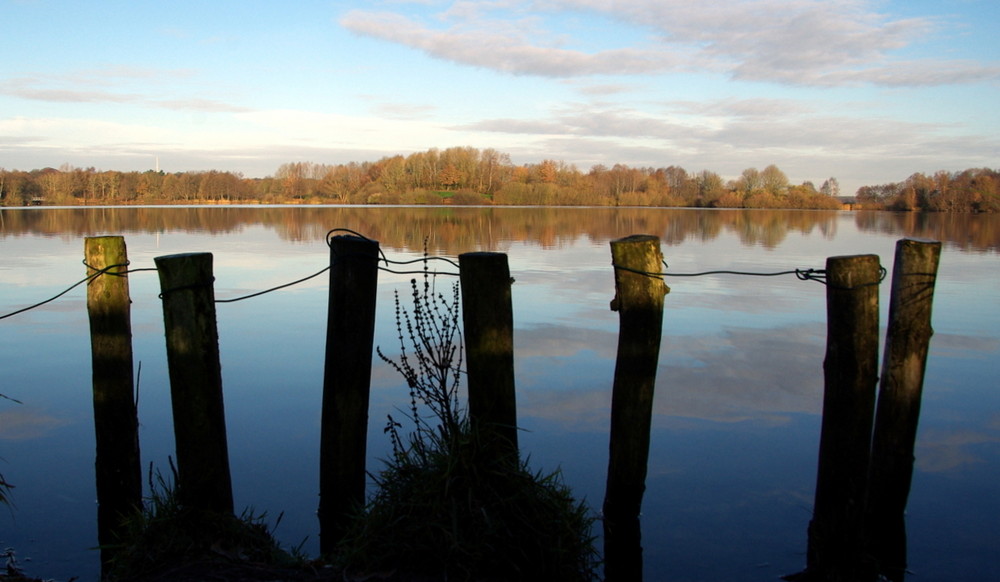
{"x": 109, "y": 271}
{"x": 88, "y": 279}
{"x": 265, "y": 291}
{"x": 818, "y": 275}
{"x": 386, "y": 264}
{"x": 348, "y": 257}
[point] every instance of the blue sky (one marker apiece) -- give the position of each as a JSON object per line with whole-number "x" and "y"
{"x": 864, "y": 91}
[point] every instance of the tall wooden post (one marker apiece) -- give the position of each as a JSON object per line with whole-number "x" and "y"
{"x": 850, "y": 373}
{"x": 203, "y": 478}
{"x": 488, "y": 320}
{"x": 350, "y": 337}
{"x": 908, "y": 337}
{"x": 118, "y": 467}
{"x": 639, "y": 296}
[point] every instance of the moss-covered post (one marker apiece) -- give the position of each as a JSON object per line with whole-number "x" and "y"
{"x": 350, "y": 337}
{"x": 639, "y": 296}
{"x": 118, "y": 468}
{"x": 188, "y": 293}
{"x": 850, "y": 371}
{"x": 488, "y": 321}
{"x": 904, "y": 360}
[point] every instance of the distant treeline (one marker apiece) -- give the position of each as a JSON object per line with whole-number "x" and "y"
{"x": 468, "y": 176}
{"x": 972, "y": 190}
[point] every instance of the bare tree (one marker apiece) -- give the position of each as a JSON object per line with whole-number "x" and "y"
{"x": 830, "y": 187}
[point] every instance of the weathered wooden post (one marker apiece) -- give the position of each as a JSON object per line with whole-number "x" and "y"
{"x": 908, "y": 337}
{"x": 350, "y": 337}
{"x": 850, "y": 374}
{"x": 488, "y": 320}
{"x": 118, "y": 468}
{"x": 188, "y": 293}
{"x": 639, "y": 296}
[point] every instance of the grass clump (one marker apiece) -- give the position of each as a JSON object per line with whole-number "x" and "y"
{"x": 445, "y": 507}
{"x": 165, "y": 536}
{"x": 453, "y": 514}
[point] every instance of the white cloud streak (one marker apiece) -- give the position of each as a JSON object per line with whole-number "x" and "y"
{"x": 103, "y": 87}
{"x": 504, "y": 52}
{"x": 793, "y": 42}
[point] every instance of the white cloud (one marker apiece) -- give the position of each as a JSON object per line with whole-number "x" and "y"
{"x": 926, "y": 73}
{"x": 334, "y": 130}
{"x": 198, "y": 104}
{"x": 795, "y": 42}
{"x": 605, "y": 89}
{"x": 39, "y": 90}
{"x": 505, "y": 52}
{"x": 113, "y": 85}
{"x": 755, "y": 107}
{"x": 86, "y": 133}
{"x": 407, "y": 111}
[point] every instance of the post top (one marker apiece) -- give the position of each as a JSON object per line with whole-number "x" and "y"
{"x": 918, "y": 240}
{"x": 854, "y": 258}
{"x": 637, "y": 238}
{"x": 182, "y": 256}
{"x": 351, "y": 238}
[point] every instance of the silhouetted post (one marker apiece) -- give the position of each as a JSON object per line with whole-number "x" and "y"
{"x": 914, "y": 274}
{"x": 350, "y": 336}
{"x": 850, "y": 373}
{"x": 188, "y": 293}
{"x": 488, "y": 320}
{"x": 118, "y": 468}
{"x": 639, "y": 295}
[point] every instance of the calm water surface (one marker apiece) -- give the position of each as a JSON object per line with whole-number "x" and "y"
{"x": 739, "y": 390}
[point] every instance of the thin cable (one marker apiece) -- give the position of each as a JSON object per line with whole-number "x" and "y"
{"x": 259, "y": 293}
{"x": 425, "y": 271}
{"x": 385, "y": 259}
{"x": 422, "y": 259}
{"x": 199, "y": 285}
{"x": 5, "y": 397}
{"x": 448, "y": 273}
{"x": 329, "y": 239}
{"x": 86, "y": 279}
{"x": 817, "y": 275}
{"x": 329, "y": 235}
{"x": 741, "y": 273}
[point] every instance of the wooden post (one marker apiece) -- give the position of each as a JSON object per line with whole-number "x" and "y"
{"x": 850, "y": 373}
{"x": 639, "y": 296}
{"x": 488, "y": 320}
{"x": 350, "y": 337}
{"x": 118, "y": 468}
{"x": 905, "y": 358}
{"x": 203, "y": 479}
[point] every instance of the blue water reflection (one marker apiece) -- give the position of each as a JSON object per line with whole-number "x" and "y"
{"x": 736, "y": 417}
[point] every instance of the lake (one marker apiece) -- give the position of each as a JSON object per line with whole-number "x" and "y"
{"x": 733, "y": 456}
